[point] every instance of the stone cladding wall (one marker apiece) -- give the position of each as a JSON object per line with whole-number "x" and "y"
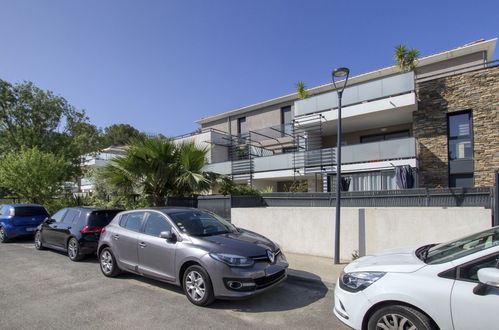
{"x": 477, "y": 91}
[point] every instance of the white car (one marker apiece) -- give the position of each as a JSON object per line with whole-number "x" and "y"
{"x": 454, "y": 285}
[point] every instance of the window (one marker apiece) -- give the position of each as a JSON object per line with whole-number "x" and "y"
{"x": 241, "y": 125}
{"x": 384, "y": 136}
{"x": 469, "y": 272}
{"x": 156, "y": 223}
{"x": 286, "y": 115}
{"x": 459, "y": 133}
{"x": 462, "y": 247}
{"x": 59, "y": 215}
{"x": 132, "y": 221}
{"x": 366, "y": 181}
{"x": 71, "y": 216}
{"x": 101, "y": 218}
{"x": 286, "y": 122}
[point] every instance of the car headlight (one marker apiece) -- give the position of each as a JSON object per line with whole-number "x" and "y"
{"x": 358, "y": 281}
{"x": 232, "y": 259}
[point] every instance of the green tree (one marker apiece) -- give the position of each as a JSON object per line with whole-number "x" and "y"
{"x": 190, "y": 177}
{"x": 301, "y": 90}
{"x": 34, "y": 175}
{"x": 34, "y": 118}
{"x": 120, "y": 134}
{"x": 406, "y": 58}
{"x": 156, "y": 168}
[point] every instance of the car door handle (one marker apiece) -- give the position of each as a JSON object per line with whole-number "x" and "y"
{"x": 142, "y": 244}
{"x": 116, "y": 236}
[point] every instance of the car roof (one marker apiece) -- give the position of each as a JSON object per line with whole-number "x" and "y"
{"x": 22, "y": 205}
{"x": 167, "y": 209}
{"x": 92, "y": 209}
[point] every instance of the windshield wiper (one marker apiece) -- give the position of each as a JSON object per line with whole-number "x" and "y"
{"x": 423, "y": 251}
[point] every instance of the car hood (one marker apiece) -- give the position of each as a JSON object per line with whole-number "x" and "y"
{"x": 397, "y": 260}
{"x": 243, "y": 242}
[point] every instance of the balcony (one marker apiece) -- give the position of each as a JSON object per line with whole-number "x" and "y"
{"x": 373, "y": 152}
{"x": 358, "y": 94}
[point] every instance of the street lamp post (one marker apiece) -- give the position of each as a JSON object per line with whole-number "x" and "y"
{"x": 338, "y": 73}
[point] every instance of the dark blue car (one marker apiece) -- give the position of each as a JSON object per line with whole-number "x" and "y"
{"x": 18, "y": 220}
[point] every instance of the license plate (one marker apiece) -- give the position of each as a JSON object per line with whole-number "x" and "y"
{"x": 30, "y": 229}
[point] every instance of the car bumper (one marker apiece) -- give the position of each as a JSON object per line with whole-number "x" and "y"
{"x": 89, "y": 245}
{"x": 350, "y": 307}
{"x": 19, "y": 230}
{"x": 245, "y": 281}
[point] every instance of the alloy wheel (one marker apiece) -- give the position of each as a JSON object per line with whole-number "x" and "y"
{"x": 38, "y": 240}
{"x": 2, "y": 234}
{"x": 395, "y": 322}
{"x": 73, "y": 248}
{"x": 195, "y": 285}
{"x": 106, "y": 262}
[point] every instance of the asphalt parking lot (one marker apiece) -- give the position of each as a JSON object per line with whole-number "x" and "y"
{"x": 45, "y": 290}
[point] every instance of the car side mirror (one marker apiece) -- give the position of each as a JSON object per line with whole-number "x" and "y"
{"x": 168, "y": 235}
{"x": 48, "y": 220}
{"x": 488, "y": 278}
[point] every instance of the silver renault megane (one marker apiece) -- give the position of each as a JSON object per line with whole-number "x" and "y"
{"x": 198, "y": 250}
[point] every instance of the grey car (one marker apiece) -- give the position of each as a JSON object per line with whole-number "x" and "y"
{"x": 201, "y": 252}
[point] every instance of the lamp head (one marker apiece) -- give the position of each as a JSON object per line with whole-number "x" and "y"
{"x": 340, "y": 72}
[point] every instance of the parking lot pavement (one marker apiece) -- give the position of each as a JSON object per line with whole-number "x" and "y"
{"x": 45, "y": 290}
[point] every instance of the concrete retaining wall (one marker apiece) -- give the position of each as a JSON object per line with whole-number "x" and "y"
{"x": 310, "y": 230}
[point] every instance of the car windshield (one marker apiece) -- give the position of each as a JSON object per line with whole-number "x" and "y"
{"x": 30, "y": 211}
{"x": 200, "y": 223}
{"x": 462, "y": 247}
{"x": 101, "y": 218}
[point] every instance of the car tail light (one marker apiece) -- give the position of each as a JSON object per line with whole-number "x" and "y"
{"x": 103, "y": 230}
{"x": 91, "y": 229}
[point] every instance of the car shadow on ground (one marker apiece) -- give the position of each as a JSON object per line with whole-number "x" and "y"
{"x": 289, "y": 295}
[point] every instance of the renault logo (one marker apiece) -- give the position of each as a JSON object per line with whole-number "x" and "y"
{"x": 271, "y": 256}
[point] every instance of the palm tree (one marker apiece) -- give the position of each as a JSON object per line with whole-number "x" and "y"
{"x": 190, "y": 177}
{"x": 301, "y": 89}
{"x": 157, "y": 168}
{"x": 406, "y": 58}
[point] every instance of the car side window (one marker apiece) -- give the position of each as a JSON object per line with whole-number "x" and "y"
{"x": 2, "y": 209}
{"x": 70, "y": 216}
{"x": 156, "y": 223}
{"x": 133, "y": 221}
{"x": 468, "y": 272}
{"x": 59, "y": 215}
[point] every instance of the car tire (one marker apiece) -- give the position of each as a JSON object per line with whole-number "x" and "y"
{"x": 108, "y": 264}
{"x": 389, "y": 317}
{"x": 38, "y": 240}
{"x": 197, "y": 286}
{"x": 74, "y": 250}
{"x": 3, "y": 236}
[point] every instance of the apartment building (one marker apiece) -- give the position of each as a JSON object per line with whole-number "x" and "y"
{"x": 437, "y": 126}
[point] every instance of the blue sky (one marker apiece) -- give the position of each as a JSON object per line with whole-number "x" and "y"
{"x": 161, "y": 65}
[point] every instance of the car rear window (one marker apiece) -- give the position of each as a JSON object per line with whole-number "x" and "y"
{"x": 30, "y": 211}
{"x": 101, "y": 218}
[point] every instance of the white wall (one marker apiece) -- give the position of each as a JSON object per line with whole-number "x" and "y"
{"x": 310, "y": 230}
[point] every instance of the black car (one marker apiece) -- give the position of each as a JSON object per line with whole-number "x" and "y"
{"x": 75, "y": 230}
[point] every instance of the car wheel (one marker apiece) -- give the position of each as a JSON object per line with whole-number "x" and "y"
{"x": 3, "y": 235}
{"x": 197, "y": 286}
{"x": 38, "y": 240}
{"x": 74, "y": 249}
{"x": 399, "y": 317}
{"x": 108, "y": 264}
